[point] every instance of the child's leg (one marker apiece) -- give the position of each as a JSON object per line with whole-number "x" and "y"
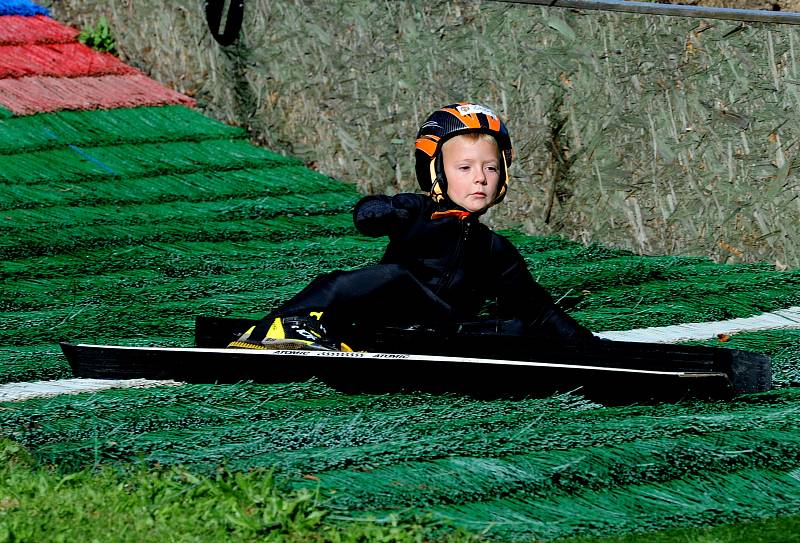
{"x": 551, "y": 324}
{"x": 385, "y": 293}
{"x": 558, "y": 325}
{"x": 379, "y": 295}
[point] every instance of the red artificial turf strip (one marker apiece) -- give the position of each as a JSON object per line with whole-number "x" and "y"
{"x": 58, "y": 60}
{"x": 29, "y": 95}
{"x": 19, "y": 30}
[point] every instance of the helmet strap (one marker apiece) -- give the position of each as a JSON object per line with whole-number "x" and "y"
{"x": 438, "y": 188}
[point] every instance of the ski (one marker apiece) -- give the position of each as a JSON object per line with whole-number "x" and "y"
{"x": 746, "y": 371}
{"x": 457, "y": 361}
{"x": 393, "y": 372}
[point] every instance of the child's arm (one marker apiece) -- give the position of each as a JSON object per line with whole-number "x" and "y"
{"x": 385, "y": 215}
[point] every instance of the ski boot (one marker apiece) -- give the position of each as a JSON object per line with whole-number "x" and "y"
{"x": 289, "y": 333}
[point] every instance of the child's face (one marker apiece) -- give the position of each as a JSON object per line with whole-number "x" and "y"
{"x": 471, "y": 168}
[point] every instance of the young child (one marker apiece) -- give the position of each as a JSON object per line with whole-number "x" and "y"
{"x": 441, "y": 265}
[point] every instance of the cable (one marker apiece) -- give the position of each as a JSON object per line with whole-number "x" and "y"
{"x": 672, "y": 10}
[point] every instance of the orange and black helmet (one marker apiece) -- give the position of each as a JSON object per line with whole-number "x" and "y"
{"x": 451, "y": 121}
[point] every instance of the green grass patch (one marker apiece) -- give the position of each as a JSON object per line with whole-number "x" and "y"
{"x": 173, "y": 504}
{"x": 99, "y": 37}
{"x": 542, "y": 467}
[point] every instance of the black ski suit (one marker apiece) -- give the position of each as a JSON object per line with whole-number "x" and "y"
{"x": 436, "y": 270}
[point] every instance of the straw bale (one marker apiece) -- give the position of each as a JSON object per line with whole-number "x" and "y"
{"x": 676, "y": 135}
{"x": 771, "y": 5}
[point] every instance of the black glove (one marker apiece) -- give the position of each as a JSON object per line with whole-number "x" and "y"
{"x": 377, "y": 216}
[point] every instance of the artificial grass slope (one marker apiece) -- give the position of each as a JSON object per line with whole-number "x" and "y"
{"x": 65, "y": 60}
{"x": 545, "y": 468}
{"x": 32, "y": 133}
{"x": 115, "y": 162}
{"x": 147, "y": 217}
{"x": 778, "y": 530}
{"x": 203, "y": 186}
{"x": 178, "y": 505}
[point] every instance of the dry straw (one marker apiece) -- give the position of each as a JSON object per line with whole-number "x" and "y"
{"x": 659, "y": 134}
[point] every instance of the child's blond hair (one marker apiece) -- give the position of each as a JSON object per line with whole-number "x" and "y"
{"x": 474, "y": 136}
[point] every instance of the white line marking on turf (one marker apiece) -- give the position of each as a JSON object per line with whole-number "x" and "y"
{"x": 15, "y": 392}
{"x": 783, "y": 319}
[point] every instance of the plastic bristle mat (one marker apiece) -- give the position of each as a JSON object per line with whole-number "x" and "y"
{"x": 21, "y": 7}
{"x": 58, "y": 60}
{"x": 125, "y": 214}
{"x": 38, "y": 29}
{"x": 37, "y": 94}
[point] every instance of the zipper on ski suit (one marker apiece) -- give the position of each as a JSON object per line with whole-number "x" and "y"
{"x": 447, "y": 278}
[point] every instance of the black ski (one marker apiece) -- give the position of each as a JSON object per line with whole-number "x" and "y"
{"x": 746, "y": 371}
{"x": 459, "y": 361}
{"x": 390, "y": 372}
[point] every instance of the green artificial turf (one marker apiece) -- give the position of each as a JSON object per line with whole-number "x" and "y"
{"x": 773, "y": 530}
{"x": 123, "y": 236}
{"x": 543, "y": 467}
{"x": 51, "y": 131}
{"x": 173, "y": 504}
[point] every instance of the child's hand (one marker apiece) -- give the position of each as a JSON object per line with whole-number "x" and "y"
{"x": 404, "y": 201}
{"x": 379, "y": 217}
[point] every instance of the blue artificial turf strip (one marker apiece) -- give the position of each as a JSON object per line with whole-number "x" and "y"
{"x": 21, "y": 7}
